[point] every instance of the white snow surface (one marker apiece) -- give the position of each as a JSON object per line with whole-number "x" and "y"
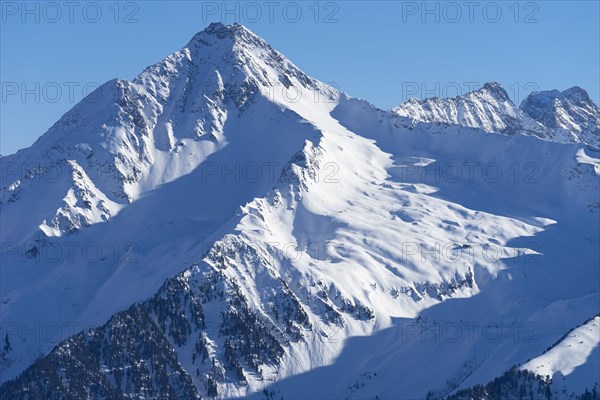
{"x": 573, "y": 361}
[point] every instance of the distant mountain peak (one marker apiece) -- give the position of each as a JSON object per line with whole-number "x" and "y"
{"x": 570, "y": 112}
{"x": 495, "y": 89}
{"x": 488, "y": 108}
{"x": 569, "y": 116}
{"x": 576, "y": 94}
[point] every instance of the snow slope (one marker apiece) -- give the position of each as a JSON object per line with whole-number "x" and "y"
{"x": 570, "y": 362}
{"x": 273, "y": 234}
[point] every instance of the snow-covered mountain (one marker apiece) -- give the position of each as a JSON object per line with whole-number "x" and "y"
{"x": 571, "y": 112}
{"x": 127, "y": 138}
{"x": 224, "y": 225}
{"x": 488, "y": 108}
{"x": 567, "y": 117}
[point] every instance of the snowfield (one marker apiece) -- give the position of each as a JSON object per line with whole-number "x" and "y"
{"x": 571, "y": 362}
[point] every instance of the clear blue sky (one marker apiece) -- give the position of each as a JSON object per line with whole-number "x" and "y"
{"x": 382, "y": 51}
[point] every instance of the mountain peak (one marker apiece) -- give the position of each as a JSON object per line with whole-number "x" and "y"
{"x": 570, "y": 111}
{"x": 495, "y": 89}
{"x": 218, "y": 32}
{"x": 223, "y": 30}
{"x": 576, "y": 95}
{"x": 488, "y": 108}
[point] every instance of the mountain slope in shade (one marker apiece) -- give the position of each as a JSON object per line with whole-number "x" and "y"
{"x": 562, "y": 371}
{"x": 356, "y": 236}
{"x": 570, "y": 111}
